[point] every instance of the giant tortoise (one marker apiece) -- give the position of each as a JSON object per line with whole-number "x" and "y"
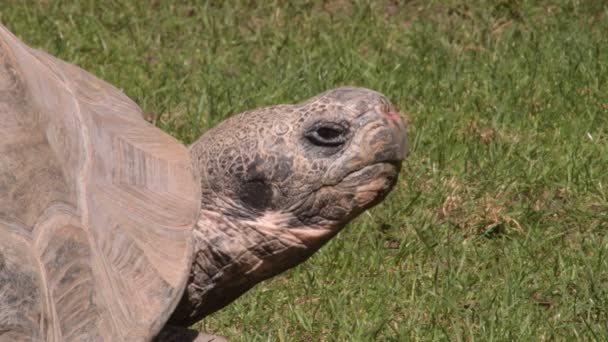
{"x": 111, "y": 230}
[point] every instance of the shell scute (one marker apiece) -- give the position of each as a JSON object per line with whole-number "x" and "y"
{"x": 97, "y": 206}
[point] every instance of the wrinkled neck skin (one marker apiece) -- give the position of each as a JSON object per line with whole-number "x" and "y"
{"x": 234, "y": 252}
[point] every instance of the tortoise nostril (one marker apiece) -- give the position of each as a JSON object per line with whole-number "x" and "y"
{"x": 393, "y": 116}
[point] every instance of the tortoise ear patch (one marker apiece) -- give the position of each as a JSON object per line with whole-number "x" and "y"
{"x": 256, "y": 194}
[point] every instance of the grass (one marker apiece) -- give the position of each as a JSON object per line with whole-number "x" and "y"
{"x": 498, "y": 227}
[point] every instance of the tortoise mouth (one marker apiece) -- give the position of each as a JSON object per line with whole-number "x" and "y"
{"x": 371, "y": 184}
{"x": 363, "y": 177}
{"x": 335, "y": 206}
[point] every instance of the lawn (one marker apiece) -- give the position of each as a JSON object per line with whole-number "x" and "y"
{"x": 498, "y": 228}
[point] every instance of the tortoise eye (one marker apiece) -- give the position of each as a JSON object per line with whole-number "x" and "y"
{"x": 327, "y": 135}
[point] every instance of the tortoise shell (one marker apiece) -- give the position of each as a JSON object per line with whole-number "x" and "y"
{"x": 96, "y": 206}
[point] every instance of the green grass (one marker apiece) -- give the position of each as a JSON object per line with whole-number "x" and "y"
{"x": 498, "y": 227}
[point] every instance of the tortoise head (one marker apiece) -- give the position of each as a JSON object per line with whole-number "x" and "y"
{"x": 279, "y": 182}
{"x": 304, "y": 170}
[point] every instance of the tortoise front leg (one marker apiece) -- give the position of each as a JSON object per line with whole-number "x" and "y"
{"x": 171, "y": 333}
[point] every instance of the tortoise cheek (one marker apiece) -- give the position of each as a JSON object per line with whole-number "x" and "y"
{"x": 256, "y": 194}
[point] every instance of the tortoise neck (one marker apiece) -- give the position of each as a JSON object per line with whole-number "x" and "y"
{"x": 233, "y": 254}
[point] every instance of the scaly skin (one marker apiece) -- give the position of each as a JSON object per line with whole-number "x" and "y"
{"x": 277, "y": 183}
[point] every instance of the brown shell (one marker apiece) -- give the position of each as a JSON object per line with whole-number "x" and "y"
{"x": 96, "y": 207}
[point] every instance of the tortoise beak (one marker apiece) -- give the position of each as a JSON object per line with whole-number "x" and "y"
{"x": 382, "y": 139}
{"x": 397, "y": 150}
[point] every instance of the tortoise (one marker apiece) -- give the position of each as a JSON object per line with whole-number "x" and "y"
{"x": 112, "y": 230}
